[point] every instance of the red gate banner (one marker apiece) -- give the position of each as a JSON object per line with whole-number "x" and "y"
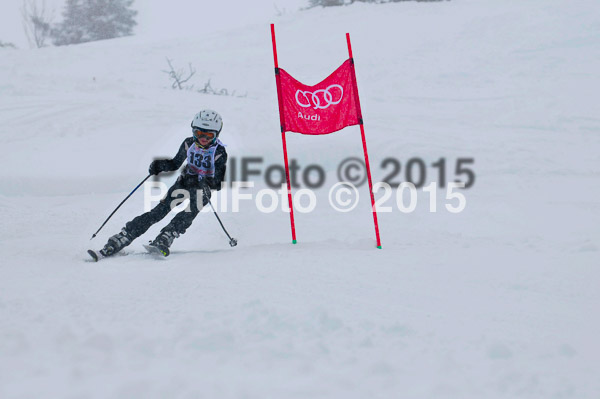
{"x": 323, "y": 108}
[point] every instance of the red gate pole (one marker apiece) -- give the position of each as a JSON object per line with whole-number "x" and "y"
{"x": 282, "y": 122}
{"x": 364, "y": 143}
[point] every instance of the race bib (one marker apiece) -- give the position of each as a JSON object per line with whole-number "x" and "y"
{"x": 201, "y": 161}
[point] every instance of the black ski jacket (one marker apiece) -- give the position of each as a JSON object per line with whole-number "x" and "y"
{"x": 191, "y": 180}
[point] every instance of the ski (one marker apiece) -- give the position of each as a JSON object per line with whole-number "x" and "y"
{"x": 96, "y": 255}
{"x": 155, "y": 250}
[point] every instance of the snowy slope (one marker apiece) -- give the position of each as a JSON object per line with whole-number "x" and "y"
{"x": 500, "y": 300}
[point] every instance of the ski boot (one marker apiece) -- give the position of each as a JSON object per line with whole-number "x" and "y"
{"x": 162, "y": 242}
{"x": 114, "y": 245}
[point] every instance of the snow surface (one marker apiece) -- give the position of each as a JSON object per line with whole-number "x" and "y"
{"x": 498, "y": 301}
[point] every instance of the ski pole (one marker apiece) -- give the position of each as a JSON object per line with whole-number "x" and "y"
{"x": 117, "y": 208}
{"x": 232, "y": 241}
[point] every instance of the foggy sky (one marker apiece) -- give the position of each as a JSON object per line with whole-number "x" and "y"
{"x": 158, "y": 19}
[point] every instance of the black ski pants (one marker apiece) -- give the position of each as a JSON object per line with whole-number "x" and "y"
{"x": 182, "y": 220}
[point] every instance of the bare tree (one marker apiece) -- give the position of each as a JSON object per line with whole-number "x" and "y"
{"x": 177, "y": 76}
{"x": 178, "y": 80}
{"x": 37, "y": 22}
{"x": 208, "y": 89}
{"x": 279, "y": 12}
{"x": 7, "y": 44}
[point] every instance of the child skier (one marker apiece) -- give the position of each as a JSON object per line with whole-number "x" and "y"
{"x": 205, "y": 170}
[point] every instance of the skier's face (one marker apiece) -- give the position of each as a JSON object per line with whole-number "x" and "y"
{"x": 203, "y": 138}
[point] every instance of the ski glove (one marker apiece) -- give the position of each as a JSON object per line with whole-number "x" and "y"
{"x": 159, "y": 165}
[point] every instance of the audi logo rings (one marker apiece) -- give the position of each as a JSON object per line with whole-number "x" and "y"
{"x": 307, "y": 99}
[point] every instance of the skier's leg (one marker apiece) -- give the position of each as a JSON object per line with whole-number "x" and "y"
{"x": 140, "y": 224}
{"x": 180, "y": 223}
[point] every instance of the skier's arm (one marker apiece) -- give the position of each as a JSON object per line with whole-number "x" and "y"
{"x": 168, "y": 165}
{"x": 220, "y": 168}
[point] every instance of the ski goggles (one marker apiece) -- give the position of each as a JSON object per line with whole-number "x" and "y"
{"x": 207, "y": 134}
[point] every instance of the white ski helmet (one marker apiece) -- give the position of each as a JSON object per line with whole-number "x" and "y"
{"x": 208, "y": 120}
